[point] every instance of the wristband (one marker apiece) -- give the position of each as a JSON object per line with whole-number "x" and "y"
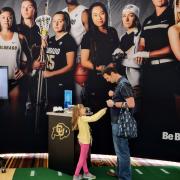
{"x": 124, "y": 105}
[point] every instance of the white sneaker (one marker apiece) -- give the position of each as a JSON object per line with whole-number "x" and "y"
{"x": 88, "y": 176}
{"x": 77, "y": 177}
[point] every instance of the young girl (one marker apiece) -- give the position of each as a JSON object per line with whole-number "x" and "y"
{"x": 80, "y": 121}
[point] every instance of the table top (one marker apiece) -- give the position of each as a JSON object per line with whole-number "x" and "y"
{"x": 67, "y": 114}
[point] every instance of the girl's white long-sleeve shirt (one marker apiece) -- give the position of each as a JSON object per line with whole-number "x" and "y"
{"x": 84, "y": 135}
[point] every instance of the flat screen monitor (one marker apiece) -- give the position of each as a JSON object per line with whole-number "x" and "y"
{"x": 3, "y": 82}
{"x": 67, "y": 98}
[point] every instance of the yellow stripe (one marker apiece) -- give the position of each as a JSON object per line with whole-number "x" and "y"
{"x": 11, "y": 161}
{"x": 8, "y": 175}
{"x": 7, "y": 162}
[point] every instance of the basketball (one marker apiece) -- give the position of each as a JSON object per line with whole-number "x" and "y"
{"x": 81, "y": 74}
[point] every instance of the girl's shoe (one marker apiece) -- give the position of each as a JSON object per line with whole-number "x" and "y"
{"x": 77, "y": 177}
{"x": 88, "y": 176}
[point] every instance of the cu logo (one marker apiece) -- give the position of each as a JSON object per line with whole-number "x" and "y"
{"x": 61, "y": 131}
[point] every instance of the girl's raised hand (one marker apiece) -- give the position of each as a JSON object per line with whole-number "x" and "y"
{"x": 105, "y": 109}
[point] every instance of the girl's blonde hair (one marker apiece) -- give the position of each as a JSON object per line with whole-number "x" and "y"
{"x": 177, "y": 14}
{"x": 75, "y": 115}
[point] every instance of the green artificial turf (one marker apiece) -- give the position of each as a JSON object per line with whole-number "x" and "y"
{"x": 139, "y": 173}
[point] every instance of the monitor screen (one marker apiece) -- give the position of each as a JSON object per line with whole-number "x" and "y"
{"x": 3, "y": 82}
{"x": 67, "y": 98}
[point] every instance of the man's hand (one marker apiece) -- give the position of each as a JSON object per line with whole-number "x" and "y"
{"x": 110, "y": 103}
{"x": 111, "y": 93}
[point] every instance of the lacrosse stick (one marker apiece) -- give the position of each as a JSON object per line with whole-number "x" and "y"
{"x": 43, "y": 22}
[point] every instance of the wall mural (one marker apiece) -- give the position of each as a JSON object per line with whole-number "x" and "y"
{"x": 42, "y": 64}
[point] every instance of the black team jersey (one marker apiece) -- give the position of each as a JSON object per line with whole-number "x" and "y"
{"x": 155, "y": 29}
{"x": 56, "y": 55}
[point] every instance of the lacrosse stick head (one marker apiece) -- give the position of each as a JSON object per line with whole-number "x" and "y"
{"x": 43, "y": 22}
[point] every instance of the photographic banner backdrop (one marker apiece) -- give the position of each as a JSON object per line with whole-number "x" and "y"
{"x": 155, "y": 140}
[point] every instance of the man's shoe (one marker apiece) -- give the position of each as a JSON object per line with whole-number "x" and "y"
{"x": 88, "y": 176}
{"x": 111, "y": 172}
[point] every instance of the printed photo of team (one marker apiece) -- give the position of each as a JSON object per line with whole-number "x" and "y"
{"x": 75, "y": 57}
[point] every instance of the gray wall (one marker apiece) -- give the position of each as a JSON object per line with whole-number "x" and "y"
{"x": 145, "y": 6}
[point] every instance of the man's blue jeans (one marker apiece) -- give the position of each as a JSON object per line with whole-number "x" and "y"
{"x": 123, "y": 155}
